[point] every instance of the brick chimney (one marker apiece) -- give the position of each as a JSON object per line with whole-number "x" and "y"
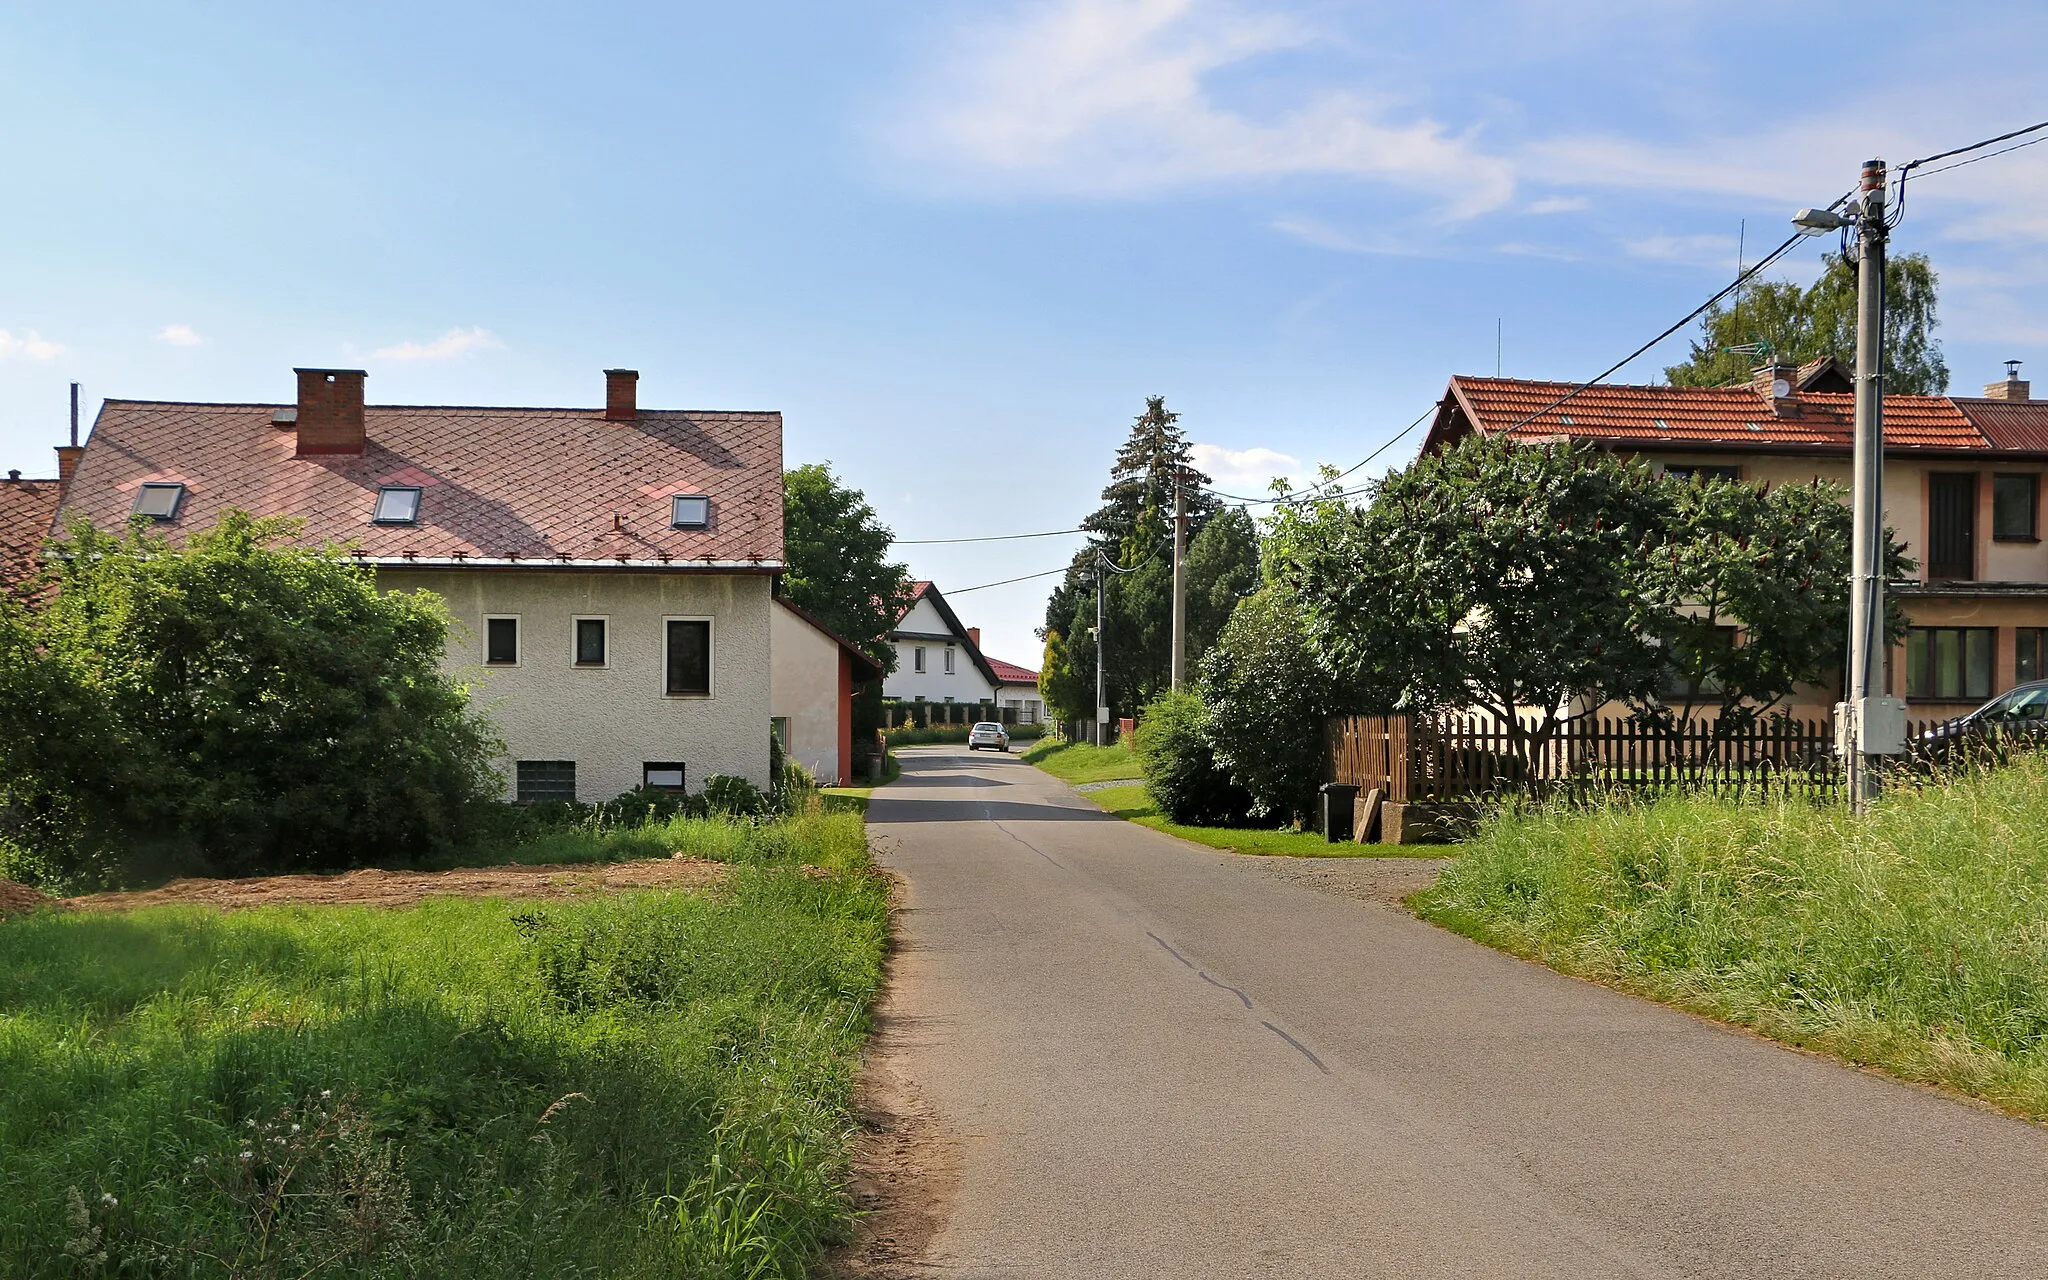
{"x": 974, "y": 636}
{"x": 2011, "y": 389}
{"x": 1768, "y": 378}
{"x": 621, "y": 395}
{"x": 330, "y": 411}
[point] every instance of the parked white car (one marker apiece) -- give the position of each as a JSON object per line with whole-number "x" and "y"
{"x": 988, "y": 734}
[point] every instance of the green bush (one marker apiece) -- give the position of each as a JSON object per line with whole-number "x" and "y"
{"x": 733, "y": 796}
{"x": 1182, "y": 776}
{"x": 1268, "y": 701}
{"x": 231, "y": 706}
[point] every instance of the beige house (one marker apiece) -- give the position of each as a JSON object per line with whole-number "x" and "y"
{"x": 1963, "y": 480}
{"x": 609, "y": 570}
{"x": 815, "y": 673}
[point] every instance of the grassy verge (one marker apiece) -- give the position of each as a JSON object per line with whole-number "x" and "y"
{"x": 650, "y": 1083}
{"x": 855, "y": 799}
{"x": 1915, "y": 940}
{"x": 1082, "y": 762}
{"x": 1131, "y": 804}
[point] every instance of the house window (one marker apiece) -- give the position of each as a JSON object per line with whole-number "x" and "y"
{"x": 662, "y": 775}
{"x": 2015, "y": 499}
{"x": 917, "y": 659}
{"x": 2030, "y": 654}
{"x": 778, "y": 728}
{"x": 590, "y": 642}
{"x": 949, "y": 659}
{"x": 159, "y": 501}
{"x": 688, "y": 663}
{"x": 501, "y": 642}
{"x": 397, "y": 504}
{"x": 1952, "y": 663}
{"x": 1951, "y": 526}
{"x": 689, "y": 511}
{"x": 1702, "y": 474}
{"x": 546, "y": 780}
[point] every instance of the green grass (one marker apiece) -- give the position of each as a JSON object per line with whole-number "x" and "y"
{"x": 1081, "y": 762}
{"x": 855, "y": 799}
{"x": 640, "y": 1084}
{"x": 1133, "y": 805}
{"x": 1915, "y": 940}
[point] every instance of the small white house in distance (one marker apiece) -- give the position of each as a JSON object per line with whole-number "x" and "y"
{"x": 815, "y": 673}
{"x": 939, "y": 660}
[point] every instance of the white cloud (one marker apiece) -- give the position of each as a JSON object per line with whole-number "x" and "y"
{"x": 1522, "y": 249}
{"x": 1559, "y": 204}
{"x": 455, "y": 342}
{"x": 1243, "y": 471}
{"x": 1116, "y": 97}
{"x": 1714, "y": 252}
{"x": 179, "y": 335}
{"x": 30, "y": 346}
{"x": 1324, "y": 236}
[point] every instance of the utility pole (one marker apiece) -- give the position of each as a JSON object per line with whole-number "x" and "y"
{"x": 1869, "y": 728}
{"x": 1180, "y": 579}
{"x": 1101, "y": 700}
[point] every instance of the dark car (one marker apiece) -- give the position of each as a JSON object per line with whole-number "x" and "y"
{"x": 2017, "y": 717}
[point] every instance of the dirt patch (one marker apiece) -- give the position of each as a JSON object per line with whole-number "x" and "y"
{"x": 402, "y": 888}
{"x": 1381, "y": 881}
{"x": 19, "y": 899}
{"x": 906, "y": 1163}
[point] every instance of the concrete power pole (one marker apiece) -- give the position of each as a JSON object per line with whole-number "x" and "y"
{"x": 1180, "y": 580}
{"x": 1101, "y": 700}
{"x": 1869, "y": 730}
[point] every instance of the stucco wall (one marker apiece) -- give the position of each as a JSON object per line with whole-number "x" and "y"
{"x": 612, "y": 719}
{"x": 806, "y": 692}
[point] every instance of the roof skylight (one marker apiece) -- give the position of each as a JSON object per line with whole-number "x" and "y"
{"x": 159, "y": 501}
{"x": 397, "y": 504}
{"x": 690, "y": 511}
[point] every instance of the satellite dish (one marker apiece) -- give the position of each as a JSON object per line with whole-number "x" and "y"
{"x": 1780, "y": 389}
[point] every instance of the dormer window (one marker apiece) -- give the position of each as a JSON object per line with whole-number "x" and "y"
{"x": 397, "y": 504}
{"x": 159, "y": 501}
{"x": 690, "y": 511}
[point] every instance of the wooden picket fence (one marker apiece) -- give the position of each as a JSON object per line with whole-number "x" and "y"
{"x": 1468, "y": 757}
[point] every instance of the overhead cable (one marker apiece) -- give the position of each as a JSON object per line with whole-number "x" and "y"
{"x": 996, "y": 537}
{"x": 1310, "y": 490}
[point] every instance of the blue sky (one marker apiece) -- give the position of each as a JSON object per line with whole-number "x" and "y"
{"x": 957, "y": 244}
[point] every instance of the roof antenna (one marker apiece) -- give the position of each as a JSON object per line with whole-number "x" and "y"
{"x": 74, "y": 415}
{"x": 1496, "y": 346}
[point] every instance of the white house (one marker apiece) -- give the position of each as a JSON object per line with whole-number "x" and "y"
{"x": 939, "y": 660}
{"x": 609, "y": 571}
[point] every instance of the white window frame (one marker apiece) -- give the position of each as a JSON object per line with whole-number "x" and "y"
{"x": 711, "y": 659}
{"x": 917, "y": 659}
{"x": 949, "y": 659}
{"x": 518, "y": 639}
{"x": 606, "y": 619}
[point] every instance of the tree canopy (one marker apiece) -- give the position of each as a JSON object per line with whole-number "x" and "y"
{"x": 231, "y": 705}
{"x": 837, "y": 552}
{"x": 1800, "y": 324}
{"x": 1134, "y": 529}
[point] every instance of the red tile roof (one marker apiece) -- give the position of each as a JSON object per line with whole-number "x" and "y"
{"x": 27, "y": 508}
{"x": 2020, "y": 425}
{"x": 1011, "y": 673}
{"x": 1737, "y": 417}
{"x": 498, "y": 484}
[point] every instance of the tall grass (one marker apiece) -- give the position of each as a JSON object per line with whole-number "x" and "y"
{"x": 652, "y": 1083}
{"x": 1915, "y": 940}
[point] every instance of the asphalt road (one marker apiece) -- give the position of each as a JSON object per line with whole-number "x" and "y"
{"x": 1151, "y": 1059}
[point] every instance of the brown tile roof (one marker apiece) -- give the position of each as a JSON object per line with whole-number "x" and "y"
{"x": 1011, "y": 673}
{"x": 2020, "y": 425}
{"x": 27, "y": 508}
{"x": 498, "y": 484}
{"x": 1713, "y": 416}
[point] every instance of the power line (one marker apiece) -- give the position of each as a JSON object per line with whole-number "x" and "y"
{"x": 999, "y": 537}
{"x": 1307, "y": 490}
{"x": 1976, "y": 146}
{"x": 2031, "y": 142}
{"x": 1007, "y": 581}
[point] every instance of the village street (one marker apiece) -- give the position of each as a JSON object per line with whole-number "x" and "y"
{"x": 1147, "y": 1059}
